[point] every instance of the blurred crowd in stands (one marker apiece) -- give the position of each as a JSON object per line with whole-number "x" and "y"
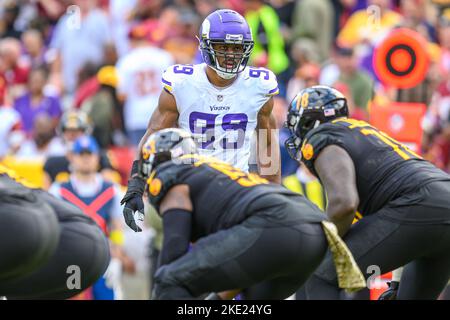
{"x": 77, "y": 67}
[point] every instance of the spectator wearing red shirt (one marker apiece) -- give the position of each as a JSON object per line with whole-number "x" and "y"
{"x": 12, "y": 70}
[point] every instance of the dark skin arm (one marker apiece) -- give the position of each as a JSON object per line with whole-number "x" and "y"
{"x": 165, "y": 116}
{"x": 268, "y": 150}
{"x": 176, "y": 198}
{"x": 337, "y": 173}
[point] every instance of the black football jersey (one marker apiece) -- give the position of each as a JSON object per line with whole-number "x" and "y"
{"x": 385, "y": 168}
{"x": 220, "y": 193}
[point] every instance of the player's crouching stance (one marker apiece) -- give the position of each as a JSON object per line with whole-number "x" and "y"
{"x": 246, "y": 231}
{"x": 402, "y": 201}
{"x": 43, "y": 242}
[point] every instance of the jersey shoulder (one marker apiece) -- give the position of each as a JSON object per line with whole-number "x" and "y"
{"x": 319, "y": 138}
{"x": 162, "y": 179}
{"x": 177, "y": 74}
{"x": 262, "y": 79}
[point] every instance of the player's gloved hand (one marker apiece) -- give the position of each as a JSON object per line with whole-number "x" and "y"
{"x": 133, "y": 199}
{"x": 391, "y": 293}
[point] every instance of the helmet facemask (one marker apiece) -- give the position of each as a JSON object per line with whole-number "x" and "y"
{"x": 238, "y": 60}
{"x": 298, "y": 126}
{"x": 159, "y": 149}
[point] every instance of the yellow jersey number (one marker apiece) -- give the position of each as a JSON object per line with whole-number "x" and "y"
{"x": 244, "y": 179}
{"x": 366, "y": 129}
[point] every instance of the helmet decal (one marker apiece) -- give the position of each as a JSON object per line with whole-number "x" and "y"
{"x": 205, "y": 29}
{"x": 148, "y": 149}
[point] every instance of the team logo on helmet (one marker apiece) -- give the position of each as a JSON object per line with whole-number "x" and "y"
{"x": 206, "y": 26}
{"x": 154, "y": 186}
{"x": 308, "y": 151}
{"x": 148, "y": 149}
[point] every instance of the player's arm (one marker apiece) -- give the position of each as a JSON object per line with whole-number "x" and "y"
{"x": 268, "y": 149}
{"x": 176, "y": 211}
{"x": 165, "y": 116}
{"x": 337, "y": 173}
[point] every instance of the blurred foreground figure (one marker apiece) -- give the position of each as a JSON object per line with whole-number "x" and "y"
{"x": 49, "y": 249}
{"x": 402, "y": 201}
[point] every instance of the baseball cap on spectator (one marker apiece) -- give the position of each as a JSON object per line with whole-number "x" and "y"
{"x": 343, "y": 50}
{"x": 85, "y": 144}
{"x": 107, "y": 75}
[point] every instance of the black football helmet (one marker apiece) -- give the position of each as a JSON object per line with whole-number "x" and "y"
{"x": 311, "y": 107}
{"x": 162, "y": 146}
{"x": 75, "y": 120}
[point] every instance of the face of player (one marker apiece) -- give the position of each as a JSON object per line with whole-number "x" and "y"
{"x": 228, "y": 55}
{"x": 85, "y": 162}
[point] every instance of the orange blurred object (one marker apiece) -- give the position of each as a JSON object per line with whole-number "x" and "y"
{"x": 401, "y": 121}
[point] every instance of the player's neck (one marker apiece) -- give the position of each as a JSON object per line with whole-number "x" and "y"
{"x": 217, "y": 81}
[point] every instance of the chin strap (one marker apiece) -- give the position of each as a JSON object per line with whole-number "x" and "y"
{"x": 224, "y": 75}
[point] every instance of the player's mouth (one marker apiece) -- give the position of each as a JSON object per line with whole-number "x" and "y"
{"x": 230, "y": 64}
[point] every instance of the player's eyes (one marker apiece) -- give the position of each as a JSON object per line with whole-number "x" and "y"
{"x": 227, "y": 48}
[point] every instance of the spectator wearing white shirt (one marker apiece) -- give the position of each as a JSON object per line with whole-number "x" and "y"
{"x": 139, "y": 74}
{"x": 79, "y": 37}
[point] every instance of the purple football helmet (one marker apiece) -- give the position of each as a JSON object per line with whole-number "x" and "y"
{"x": 225, "y": 27}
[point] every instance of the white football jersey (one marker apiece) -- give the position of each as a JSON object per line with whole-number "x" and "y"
{"x": 222, "y": 120}
{"x": 139, "y": 74}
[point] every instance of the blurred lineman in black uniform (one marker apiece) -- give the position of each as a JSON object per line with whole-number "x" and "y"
{"x": 404, "y": 201}
{"x": 247, "y": 232}
{"x": 43, "y": 242}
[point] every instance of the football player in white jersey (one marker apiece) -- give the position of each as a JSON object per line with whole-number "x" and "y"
{"x": 221, "y": 101}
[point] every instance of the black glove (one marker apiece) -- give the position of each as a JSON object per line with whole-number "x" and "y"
{"x": 391, "y": 293}
{"x": 133, "y": 198}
